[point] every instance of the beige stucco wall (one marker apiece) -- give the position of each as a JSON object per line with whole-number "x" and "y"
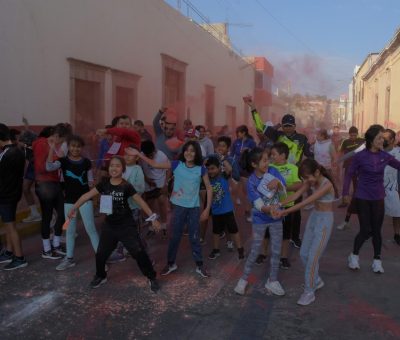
{"x": 361, "y": 99}
{"x": 38, "y": 36}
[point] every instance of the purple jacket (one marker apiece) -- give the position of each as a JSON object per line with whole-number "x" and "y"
{"x": 369, "y": 167}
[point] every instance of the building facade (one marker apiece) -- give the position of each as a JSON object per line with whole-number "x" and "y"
{"x": 377, "y": 88}
{"x": 86, "y": 61}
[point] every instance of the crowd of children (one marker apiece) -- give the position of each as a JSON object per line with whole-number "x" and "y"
{"x": 135, "y": 178}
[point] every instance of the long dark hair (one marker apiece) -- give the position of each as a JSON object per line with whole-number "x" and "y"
{"x": 249, "y": 157}
{"x": 310, "y": 166}
{"x": 244, "y": 129}
{"x": 371, "y": 133}
{"x": 198, "y": 157}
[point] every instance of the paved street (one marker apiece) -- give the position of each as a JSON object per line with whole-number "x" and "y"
{"x": 40, "y": 303}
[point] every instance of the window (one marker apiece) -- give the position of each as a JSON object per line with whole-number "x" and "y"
{"x": 174, "y": 85}
{"x": 87, "y": 99}
{"x": 125, "y": 93}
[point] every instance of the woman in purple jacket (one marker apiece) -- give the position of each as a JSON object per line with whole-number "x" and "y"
{"x": 369, "y": 165}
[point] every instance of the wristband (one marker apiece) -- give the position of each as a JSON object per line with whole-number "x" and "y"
{"x": 152, "y": 218}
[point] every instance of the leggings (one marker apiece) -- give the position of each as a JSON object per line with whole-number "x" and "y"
{"x": 51, "y": 198}
{"x": 315, "y": 239}
{"x": 275, "y": 231}
{"x": 86, "y": 211}
{"x": 126, "y": 233}
{"x": 370, "y": 216}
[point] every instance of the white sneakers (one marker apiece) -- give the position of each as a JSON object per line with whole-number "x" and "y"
{"x": 342, "y": 226}
{"x": 32, "y": 218}
{"x": 377, "y": 267}
{"x": 354, "y": 261}
{"x": 274, "y": 287}
{"x": 306, "y": 299}
{"x": 241, "y": 287}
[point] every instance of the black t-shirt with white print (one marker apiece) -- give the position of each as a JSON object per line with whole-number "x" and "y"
{"x": 121, "y": 213}
{"x": 75, "y": 175}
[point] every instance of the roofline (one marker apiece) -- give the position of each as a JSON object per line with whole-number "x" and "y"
{"x": 365, "y": 60}
{"x": 392, "y": 45}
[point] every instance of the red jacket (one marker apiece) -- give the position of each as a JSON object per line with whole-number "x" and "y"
{"x": 41, "y": 149}
{"x": 124, "y": 136}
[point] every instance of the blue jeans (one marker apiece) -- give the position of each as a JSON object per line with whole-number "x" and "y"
{"x": 315, "y": 239}
{"x": 86, "y": 211}
{"x": 180, "y": 218}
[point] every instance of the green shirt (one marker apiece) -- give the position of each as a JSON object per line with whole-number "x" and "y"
{"x": 290, "y": 173}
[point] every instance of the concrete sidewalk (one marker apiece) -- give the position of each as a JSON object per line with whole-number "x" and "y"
{"x": 40, "y": 303}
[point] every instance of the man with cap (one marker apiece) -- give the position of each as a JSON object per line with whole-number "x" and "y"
{"x": 164, "y": 124}
{"x": 297, "y": 142}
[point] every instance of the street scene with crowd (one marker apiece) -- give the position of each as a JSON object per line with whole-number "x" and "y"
{"x": 157, "y": 183}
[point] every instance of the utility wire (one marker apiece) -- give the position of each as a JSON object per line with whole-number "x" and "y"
{"x": 294, "y": 36}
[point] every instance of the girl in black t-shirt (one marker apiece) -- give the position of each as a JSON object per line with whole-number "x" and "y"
{"x": 119, "y": 224}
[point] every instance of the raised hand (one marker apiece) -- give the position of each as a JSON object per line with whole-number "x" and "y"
{"x": 132, "y": 152}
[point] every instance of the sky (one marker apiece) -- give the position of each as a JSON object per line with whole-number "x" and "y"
{"x": 313, "y": 44}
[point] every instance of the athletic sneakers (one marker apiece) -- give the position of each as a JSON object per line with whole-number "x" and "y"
{"x": 116, "y": 257}
{"x": 51, "y": 255}
{"x": 229, "y": 245}
{"x": 16, "y": 263}
{"x": 240, "y": 287}
{"x": 342, "y": 226}
{"x": 60, "y": 250}
{"x": 214, "y": 254}
{"x": 274, "y": 287}
{"x": 284, "y": 264}
{"x": 154, "y": 286}
{"x": 260, "y": 259}
{"x": 296, "y": 243}
{"x": 202, "y": 271}
{"x": 5, "y": 256}
{"x": 306, "y": 299}
{"x": 377, "y": 267}
{"x": 354, "y": 261}
{"x": 65, "y": 264}
{"x": 168, "y": 269}
{"x": 98, "y": 281}
{"x": 320, "y": 284}
{"x": 32, "y": 218}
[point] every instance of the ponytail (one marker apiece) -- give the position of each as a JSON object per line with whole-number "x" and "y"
{"x": 310, "y": 166}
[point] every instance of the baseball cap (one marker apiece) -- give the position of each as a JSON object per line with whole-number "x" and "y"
{"x": 192, "y": 133}
{"x": 288, "y": 119}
